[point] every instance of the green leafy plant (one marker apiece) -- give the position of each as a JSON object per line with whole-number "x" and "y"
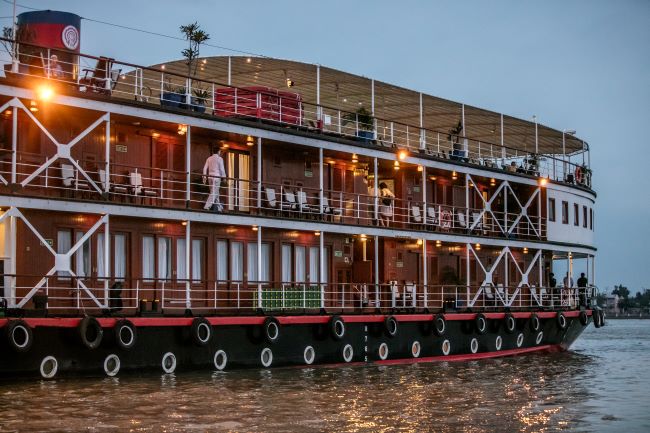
{"x": 195, "y": 37}
{"x": 201, "y": 95}
{"x": 363, "y": 117}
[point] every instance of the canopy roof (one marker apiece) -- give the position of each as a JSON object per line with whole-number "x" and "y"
{"x": 345, "y": 91}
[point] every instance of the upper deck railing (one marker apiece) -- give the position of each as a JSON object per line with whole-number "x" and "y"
{"x": 123, "y": 80}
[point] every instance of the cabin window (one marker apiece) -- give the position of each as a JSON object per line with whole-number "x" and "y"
{"x": 148, "y": 257}
{"x": 82, "y": 257}
{"x": 300, "y": 265}
{"x": 314, "y": 261}
{"x": 584, "y": 216}
{"x": 287, "y": 261}
{"x": 252, "y": 262}
{"x": 164, "y": 258}
{"x": 197, "y": 260}
{"x": 576, "y": 214}
{"x": 551, "y": 209}
{"x": 222, "y": 260}
{"x": 181, "y": 269}
{"x": 63, "y": 245}
{"x": 565, "y": 212}
{"x": 236, "y": 261}
{"x": 119, "y": 257}
{"x": 101, "y": 261}
{"x": 591, "y": 219}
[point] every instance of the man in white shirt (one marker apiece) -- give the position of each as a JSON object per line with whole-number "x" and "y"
{"x": 568, "y": 281}
{"x": 213, "y": 171}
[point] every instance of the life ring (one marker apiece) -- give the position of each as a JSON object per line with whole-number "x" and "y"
{"x": 601, "y": 313}
{"x": 595, "y": 315}
{"x": 579, "y": 175}
{"x": 125, "y": 334}
{"x": 271, "y": 330}
{"x": 90, "y": 332}
{"x": 201, "y": 331}
{"x": 440, "y": 325}
{"x": 510, "y": 323}
{"x": 337, "y": 327}
{"x": 481, "y": 323}
{"x": 534, "y": 322}
{"x": 19, "y": 335}
{"x": 561, "y": 321}
{"x": 584, "y": 319}
{"x": 390, "y": 324}
{"x": 445, "y": 219}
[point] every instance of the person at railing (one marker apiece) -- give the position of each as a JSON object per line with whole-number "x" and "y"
{"x": 386, "y": 198}
{"x": 568, "y": 281}
{"x": 512, "y": 168}
{"x": 213, "y": 171}
{"x": 55, "y": 70}
{"x": 582, "y": 281}
{"x": 552, "y": 281}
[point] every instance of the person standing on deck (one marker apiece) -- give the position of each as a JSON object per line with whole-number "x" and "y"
{"x": 213, "y": 171}
{"x": 582, "y": 281}
{"x": 568, "y": 281}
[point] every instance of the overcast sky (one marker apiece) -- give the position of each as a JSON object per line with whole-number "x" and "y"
{"x": 582, "y": 65}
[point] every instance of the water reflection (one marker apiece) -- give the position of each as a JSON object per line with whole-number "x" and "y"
{"x": 539, "y": 393}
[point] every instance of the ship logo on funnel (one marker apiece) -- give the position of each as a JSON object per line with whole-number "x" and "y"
{"x": 70, "y": 37}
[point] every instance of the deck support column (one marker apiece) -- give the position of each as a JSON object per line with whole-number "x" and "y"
{"x": 320, "y": 183}
{"x": 259, "y": 266}
{"x": 423, "y": 138}
{"x": 372, "y": 109}
{"x": 425, "y": 273}
{"x": 424, "y": 195}
{"x": 376, "y": 189}
{"x": 229, "y": 72}
{"x": 503, "y": 147}
{"x": 322, "y": 270}
{"x": 188, "y": 165}
{"x": 188, "y": 269}
{"x": 376, "y": 266}
{"x": 14, "y": 143}
{"x": 107, "y": 261}
{"x": 467, "y": 222}
{"x": 12, "y": 265}
{"x": 107, "y": 156}
{"x": 259, "y": 174}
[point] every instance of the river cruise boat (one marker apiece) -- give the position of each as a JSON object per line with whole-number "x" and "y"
{"x": 254, "y": 212}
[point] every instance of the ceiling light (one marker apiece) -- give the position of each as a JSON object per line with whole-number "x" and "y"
{"x": 402, "y": 154}
{"x": 250, "y": 141}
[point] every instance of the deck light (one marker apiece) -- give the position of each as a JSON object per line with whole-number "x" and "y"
{"x": 402, "y": 155}
{"x": 45, "y": 92}
{"x": 248, "y": 59}
{"x": 7, "y": 112}
{"x": 33, "y": 106}
{"x": 182, "y": 129}
{"x": 525, "y": 250}
{"x": 432, "y": 178}
{"x": 162, "y": 67}
{"x": 419, "y": 242}
{"x": 493, "y": 182}
{"x": 363, "y": 237}
{"x": 155, "y": 134}
{"x": 250, "y": 141}
{"x": 396, "y": 165}
{"x": 477, "y": 247}
{"x": 255, "y": 228}
{"x": 454, "y": 175}
{"x": 355, "y": 158}
{"x": 543, "y": 181}
{"x": 317, "y": 233}
{"x": 438, "y": 243}
{"x": 290, "y": 82}
{"x": 183, "y": 223}
{"x": 420, "y": 168}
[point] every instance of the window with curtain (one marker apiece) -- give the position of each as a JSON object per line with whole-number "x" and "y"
{"x": 82, "y": 257}
{"x": 314, "y": 262}
{"x": 222, "y": 260}
{"x": 326, "y": 265}
{"x": 300, "y": 263}
{"x": 100, "y": 256}
{"x": 148, "y": 257}
{"x": 237, "y": 261}
{"x": 181, "y": 269}
{"x": 164, "y": 258}
{"x": 119, "y": 248}
{"x": 252, "y": 262}
{"x": 197, "y": 260}
{"x": 287, "y": 263}
{"x": 63, "y": 245}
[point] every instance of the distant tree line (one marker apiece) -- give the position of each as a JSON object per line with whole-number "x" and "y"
{"x": 640, "y": 300}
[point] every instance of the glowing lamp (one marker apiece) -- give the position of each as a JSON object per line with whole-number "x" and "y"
{"x": 402, "y": 154}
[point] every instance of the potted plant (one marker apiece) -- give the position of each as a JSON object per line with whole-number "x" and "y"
{"x": 364, "y": 123}
{"x": 195, "y": 37}
{"x": 199, "y": 100}
{"x": 173, "y": 97}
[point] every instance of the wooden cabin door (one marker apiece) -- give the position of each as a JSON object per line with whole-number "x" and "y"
{"x": 239, "y": 181}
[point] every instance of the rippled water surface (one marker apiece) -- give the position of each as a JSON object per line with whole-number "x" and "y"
{"x": 603, "y": 384}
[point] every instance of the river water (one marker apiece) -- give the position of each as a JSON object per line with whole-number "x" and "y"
{"x": 602, "y": 384}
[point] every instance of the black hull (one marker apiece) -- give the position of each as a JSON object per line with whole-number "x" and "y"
{"x": 243, "y": 343}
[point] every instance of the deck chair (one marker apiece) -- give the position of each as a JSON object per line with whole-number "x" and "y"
{"x": 431, "y": 215}
{"x": 289, "y": 202}
{"x": 112, "y": 187}
{"x": 69, "y": 177}
{"x": 271, "y": 201}
{"x": 97, "y": 80}
{"x": 500, "y": 293}
{"x": 135, "y": 180}
{"x": 394, "y": 290}
{"x": 476, "y": 216}
{"x": 409, "y": 293}
{"x": 327, "y": 209}
{"x": 416, "y": 215}
{"x": 303, "y": 205}
{"x": 461, "y": 219}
